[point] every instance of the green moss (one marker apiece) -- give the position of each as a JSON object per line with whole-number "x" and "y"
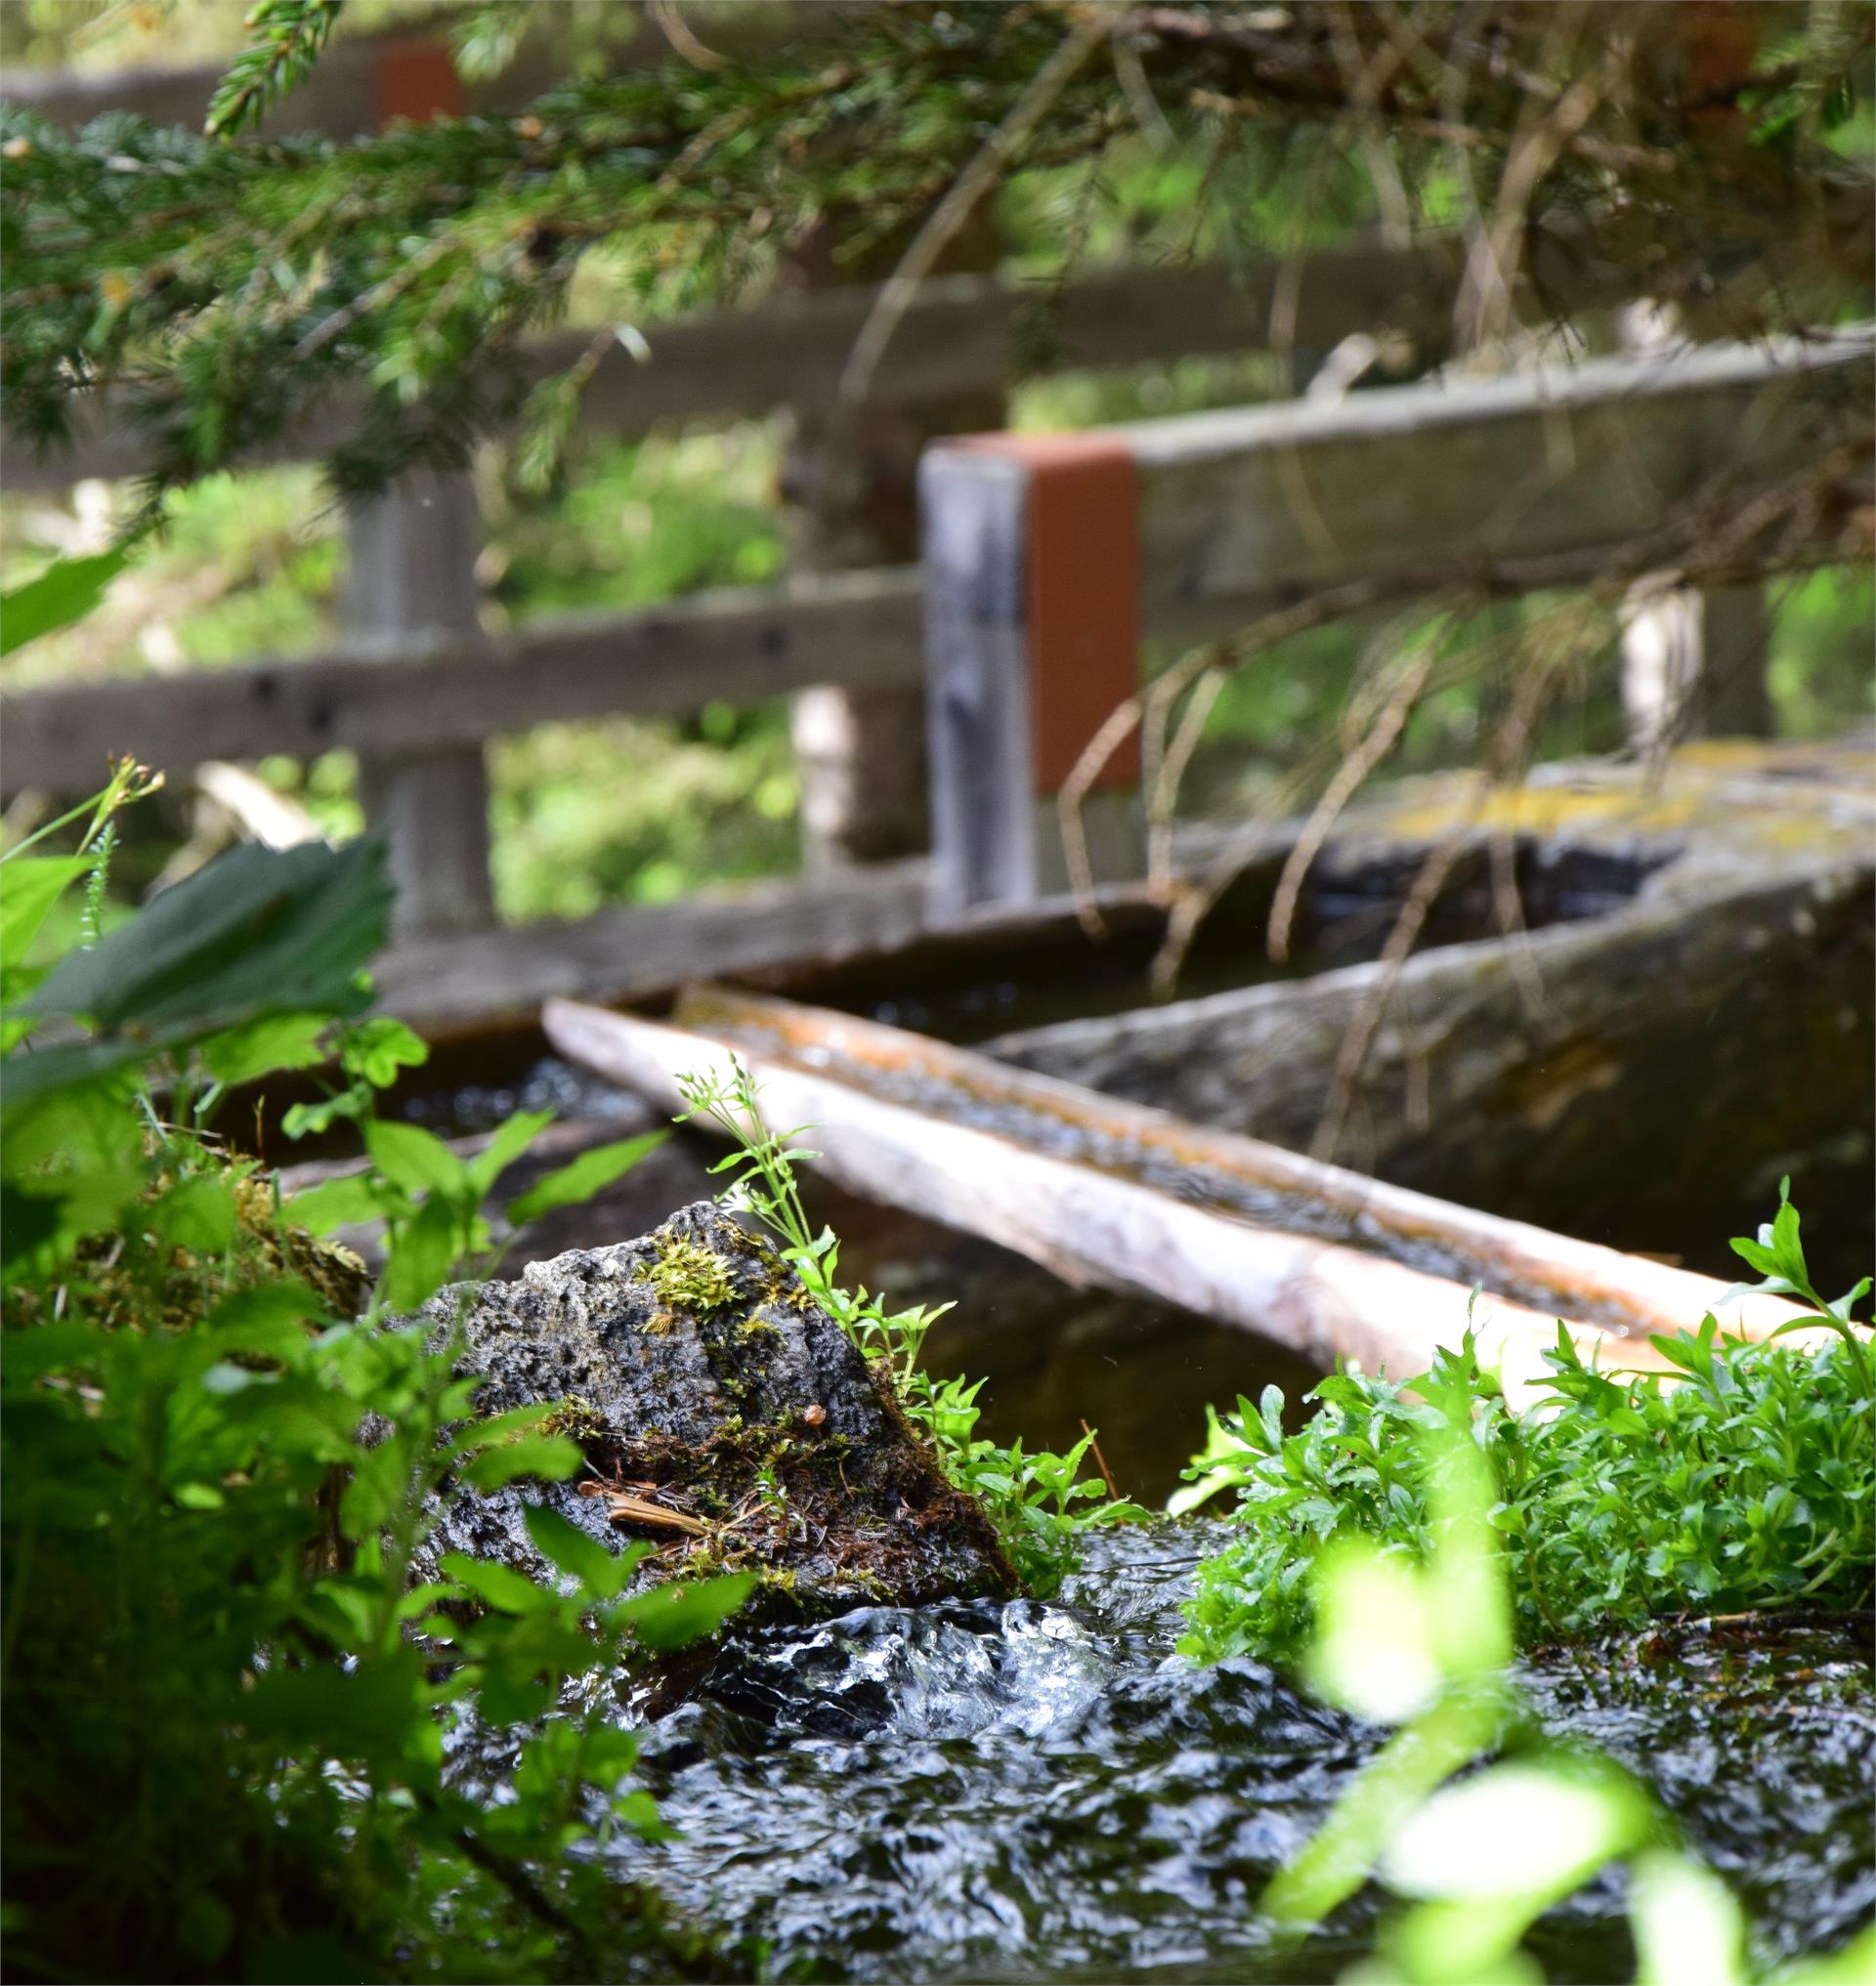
{"x": 576, "y": 1417}
{"x": 688, "y": 1276}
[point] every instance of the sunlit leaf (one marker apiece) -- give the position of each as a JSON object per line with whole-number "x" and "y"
{"x": 579, "y": 1180}
{"x": 66, "y": 591}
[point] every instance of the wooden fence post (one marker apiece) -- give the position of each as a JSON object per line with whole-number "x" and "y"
{"x": 849, "y": 481}
{"x": 1032, "y": 639}
{"x": 1693, "y": 663}
{"x": 413, "y": 572}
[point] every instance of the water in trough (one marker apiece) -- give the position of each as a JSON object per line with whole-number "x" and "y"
{"x": 1048, "y": 1791}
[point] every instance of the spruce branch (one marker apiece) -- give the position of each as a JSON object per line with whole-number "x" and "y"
{"x": 289, "y": 37}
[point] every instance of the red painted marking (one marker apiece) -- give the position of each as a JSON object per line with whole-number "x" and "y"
{"x": 1083, "y": 604}
{"x": 418, "y": 81}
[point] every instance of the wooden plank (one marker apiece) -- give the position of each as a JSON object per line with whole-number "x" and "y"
{"x": 1623, "y": 1067}
{"x": 1104, "y": 1194}
{"x": 450, "y": 985}
{"x": 415, "y": 694}
{"x": 1246, "y": 510}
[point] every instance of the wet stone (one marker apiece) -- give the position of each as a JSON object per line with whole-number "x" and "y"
{"x": 723, "y": 1417}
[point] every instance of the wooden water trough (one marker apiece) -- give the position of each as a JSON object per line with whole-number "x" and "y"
{"x": 1313, "y": 1257}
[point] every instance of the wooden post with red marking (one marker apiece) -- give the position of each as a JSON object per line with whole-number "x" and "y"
{"x": 1032, "y": 567}
{"x": 416, "y": 81}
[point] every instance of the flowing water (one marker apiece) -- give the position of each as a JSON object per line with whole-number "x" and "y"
{"x": 1031, "y": 1791}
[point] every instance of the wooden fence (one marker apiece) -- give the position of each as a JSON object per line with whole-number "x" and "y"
{"x": 1192, "y": 524}
{"x": 1049, "y": 559}
{"x": 416, "y": 687}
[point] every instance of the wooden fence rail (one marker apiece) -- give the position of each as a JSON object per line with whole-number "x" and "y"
{"x": 390, "y": 697}
{"x": 1049, "y": 559}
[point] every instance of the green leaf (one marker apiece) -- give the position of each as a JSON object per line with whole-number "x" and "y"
{"x": 379, "y": 1047}
{"x": 509, "y": 1141}
{"x": 66, "y": 591}
{"x": 481, "y": 1434}
{"x": 197, "y": 1215}
{"x": 364, "y": 1713}
{"x": 259, "y": 1047}
{"x": 257, "y": 931}
{"x": 551, "y": 1457}
{"x": 498, "y": 1585}
{"x": 340, "y": 1202}
{"x": 29, "y": 886}
{"x": 684, "y": 1611}
{"x": 576, "y": 1182}
{"x": 417, "y": 1160}
{"x": 422, "y": 1255}
{"x": 565, "y": 1545}
{"x": 27, "y": 1220}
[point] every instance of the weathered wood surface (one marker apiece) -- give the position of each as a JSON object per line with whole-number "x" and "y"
{"x": 455, "y": 983}
{"x": 1639, "y": 1072}
{"x": 1248, "y": 509}
{"x": 413, "y": 576}
{"x": 1317, "y": 1258}
{"x": 441, "y": 692}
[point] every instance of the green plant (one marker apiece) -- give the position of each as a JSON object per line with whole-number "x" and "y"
{"x": 1478, "y": 1856}
{"x": 225, "y": 1705}
{"x": 1748, "y": 1481}
{"x": 1039, "y": 1503}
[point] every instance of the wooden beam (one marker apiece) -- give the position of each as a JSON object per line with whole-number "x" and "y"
{"x": 432, "y": 692}
{"x": 1335, "y": 1265}
{"x": 1249, "y": 509}
{"x": 457, "y": 984}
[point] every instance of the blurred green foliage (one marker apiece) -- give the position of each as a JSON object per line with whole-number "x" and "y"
{"x": 226, "y": 1701}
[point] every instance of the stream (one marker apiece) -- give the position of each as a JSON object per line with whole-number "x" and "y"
{"x": 1030, "y": 1791}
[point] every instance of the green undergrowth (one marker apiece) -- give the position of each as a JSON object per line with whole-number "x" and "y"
{"x": 1747, "y": 1483}
{"x": 1040, "y": 1504}
{"x": 223, "y": 1701}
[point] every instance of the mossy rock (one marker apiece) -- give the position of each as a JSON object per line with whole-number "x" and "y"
{"x": 723, "y": 1416}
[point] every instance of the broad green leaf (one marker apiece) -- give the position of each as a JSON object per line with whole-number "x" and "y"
{"x": 684, "y": 1611}
{"x": 363, "y": 1712}
{"x": 27, "y": 1220}
{"x": 581, "y": 1178}
{"x": 481, "y": 1434}
{"x": 199, "y": 1215}
{"x": 415, "y": 1159}
{"x": 257, "y": 931}
{"x": 499, "y": 1585}
{"x": 259, "y": 1047}
{"x": 28, "y": 888}
{"x": 336, "y": 1202}
{"x": 509, "y": 1141}
{"x": 550, "y": 1457}
{"x": 566, "y": 1546}
{"x": 86, "y": 1201}
{"x": 28, "y": 1080}
{"x": 422, "y": 1255}
{"x": 66, "y": 591}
